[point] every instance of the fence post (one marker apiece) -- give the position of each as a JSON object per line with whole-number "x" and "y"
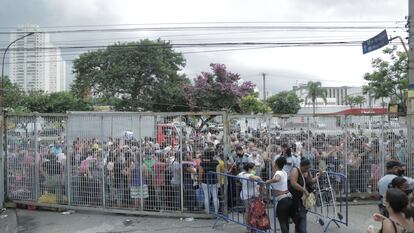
{"x": 346, "y": 147}
{"x": 309, "y": 138}
{"x": 226, "y": 142}
{"x": 103, "y": 165}
{"x": 141, "y": 176}
{"x": 68, "y": 161}
{"x": 409, "y": 145}
{"x": 269, "y": 164}
{"x": 3, "y": 174}
{"x": 37, "y": 161}
{"x": 181, "y": 169}
{"x": 382, "y": 149}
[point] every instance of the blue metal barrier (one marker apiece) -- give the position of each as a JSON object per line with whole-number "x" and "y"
{"x": 328, "y": 208}
{"x": 245, "y": 201}
{"x": 240, "y": 195}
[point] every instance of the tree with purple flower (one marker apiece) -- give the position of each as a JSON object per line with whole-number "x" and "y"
{"x": 217, "y": 90}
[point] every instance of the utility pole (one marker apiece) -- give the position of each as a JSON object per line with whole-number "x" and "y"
{"x": 410, "y": 99}
{"x": 264, "y": 86}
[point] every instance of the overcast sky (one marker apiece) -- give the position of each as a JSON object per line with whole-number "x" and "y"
{"x": 284, "y": 66}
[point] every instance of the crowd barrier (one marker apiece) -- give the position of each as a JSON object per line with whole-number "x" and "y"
{"x": 331, "y": 192}
{"x": 245, "y": 195}
{"x": 248, "y": 203}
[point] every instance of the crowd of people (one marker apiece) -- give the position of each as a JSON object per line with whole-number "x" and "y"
{"x": 127, "y": 172}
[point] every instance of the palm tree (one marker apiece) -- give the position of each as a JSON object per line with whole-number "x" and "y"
{"x": 350, "y": 100}
{"x": 315, "y": 90}
{"x": 359, "y": 100}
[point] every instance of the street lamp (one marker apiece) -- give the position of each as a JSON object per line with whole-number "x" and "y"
{"x": 2, "y": 67}
{"x": 3, "y": 148}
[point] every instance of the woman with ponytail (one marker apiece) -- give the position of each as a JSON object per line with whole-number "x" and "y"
{"x": 400, "y": 218}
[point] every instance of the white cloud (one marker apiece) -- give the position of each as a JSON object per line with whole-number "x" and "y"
{"x": 346, "y": 65}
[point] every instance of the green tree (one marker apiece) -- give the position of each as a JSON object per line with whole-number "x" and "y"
{"x": 251, "y": 104}
{"x": 389, "y": 77}
{"x": 12, "y": 95}
{"x": 315, "y": 90}
{"x": 350, "y": 100}
{"x": 58, "y": 102}
{"x": 285, "y": 102}
{"x": 359, "y": 100}
{"x": 141, "y": 75}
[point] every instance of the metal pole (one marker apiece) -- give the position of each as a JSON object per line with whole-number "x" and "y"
{"x": 141, "y": 162}
{"x": 410, "y": 100}
{"x": 264, "y": 86}
{"x": 346, "y": 147}
{"x": 381, "y": 147}
{"x": 3, "y": 149}
{"x": 1, "y": 171}
{"x": 402, "y": 42}
{"x": 103, "y": 165}
{"x": 37, "y": 163}
{"x": 181, "y": 169}
{"x": 226, "y": 142}
{"x": 69, "y": 149}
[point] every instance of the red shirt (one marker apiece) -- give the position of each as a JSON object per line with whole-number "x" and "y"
{"x": 159, "y": 177}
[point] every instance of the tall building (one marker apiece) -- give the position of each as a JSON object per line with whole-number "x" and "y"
{"x": 32, "y": 67}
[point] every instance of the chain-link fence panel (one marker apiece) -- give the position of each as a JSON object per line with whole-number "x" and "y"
{"x": 36, "y": 158}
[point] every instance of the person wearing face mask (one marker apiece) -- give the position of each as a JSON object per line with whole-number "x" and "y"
{"x": 394, "y": 169}
{"x": 258, "y": 160}
{"x": 236, "y": 162}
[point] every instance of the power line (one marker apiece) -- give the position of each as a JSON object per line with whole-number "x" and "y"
{"x": 225, "y": 22}
{"x": 189, "y": 52}
{"x": 183, "y": 45}
{"x": 203, "y": 28}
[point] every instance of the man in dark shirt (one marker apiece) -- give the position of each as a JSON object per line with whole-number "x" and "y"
{"x": 52, "y": 171}
{"x": 209, "y": 181}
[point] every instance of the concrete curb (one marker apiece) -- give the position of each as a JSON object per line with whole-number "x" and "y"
{"x": 8, "y": 221}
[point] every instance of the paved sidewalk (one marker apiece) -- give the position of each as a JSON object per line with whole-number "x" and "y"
{"x": 93, "y": 222}
{"x": 8, "y": 221}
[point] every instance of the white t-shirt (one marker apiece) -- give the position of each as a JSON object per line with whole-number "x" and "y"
{"x": 249, "y": 187}
{"x": 282, "y": 185}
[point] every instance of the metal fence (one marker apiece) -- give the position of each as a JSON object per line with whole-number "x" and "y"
{"x": 112, "y": 161}
{"x": 357, "y": 146}
{"x": 150, "y": 161}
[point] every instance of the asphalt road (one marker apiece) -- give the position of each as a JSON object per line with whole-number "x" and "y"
{"x": 93, "y": 222}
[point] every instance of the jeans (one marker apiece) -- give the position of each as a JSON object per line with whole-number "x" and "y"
{"x": 210, "y": 190}
{"x": 300, "y": 224}
{"x": 283, "y": 211}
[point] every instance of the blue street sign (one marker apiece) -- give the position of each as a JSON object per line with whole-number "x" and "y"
{"x": 375, "y": 42}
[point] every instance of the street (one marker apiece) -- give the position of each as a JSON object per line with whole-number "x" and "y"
{"x": 93, "y": 222}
